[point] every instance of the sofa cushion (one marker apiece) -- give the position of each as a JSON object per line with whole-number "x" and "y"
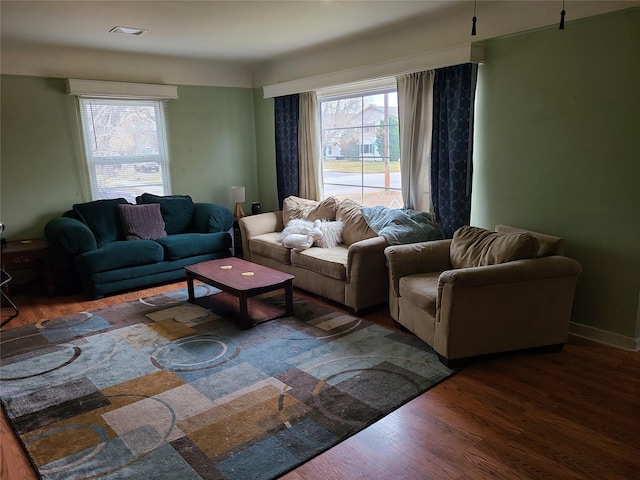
{"x": 355, "y": 227}
{"x": 269, "y": 245}
{"x": 296, "y": 207}
{"x": 547, "y": 244}
{"x": 103, "y": 218}
{"x": 475, "y": 247}
{"x": 330, "y": 262}
{"x": 177, "y": 210}
{"x": 119, "y": 254}
{"x": 142, "y": 222}
{"x": 184, "y": 245}
{"x": 421, "y": 290}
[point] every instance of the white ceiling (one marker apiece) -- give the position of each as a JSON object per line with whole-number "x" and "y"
{"x": 240, "y": 31}
{"x": 251, "y": 43}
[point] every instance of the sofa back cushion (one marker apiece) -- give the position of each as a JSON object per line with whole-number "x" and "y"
{"x": 296, "y": 207}
{"x": 103, "y": 218}
{"x": 547, "y": 244}
{"x": 475, "y": 247}
{"x": 354, "y": 226}
{"x": 177, "y": 210}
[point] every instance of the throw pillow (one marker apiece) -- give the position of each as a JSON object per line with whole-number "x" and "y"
{"x": 331, "y": 234}
{"x": 296, "y": 207}
{"x": 355, "y": 227}
{"x": 475, "y": 247}
{"x": 142, "y": 222}
{"x": 297, "y": 225}
{"x": 177, "y": 210}
{"x": 102, "y": 217}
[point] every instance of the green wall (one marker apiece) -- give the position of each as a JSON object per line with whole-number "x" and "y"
{"x": 557, "y": 150}
{"x": 212, "y": 141}
{"x": 265, "y": 138}
{"x": 39, "y": 173}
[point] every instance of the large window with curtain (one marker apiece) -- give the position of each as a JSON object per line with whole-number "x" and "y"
{"x": 125, "y": 147}
{"x": 361, "y": 147}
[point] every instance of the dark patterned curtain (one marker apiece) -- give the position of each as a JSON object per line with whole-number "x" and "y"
{"x": 452, "y": 145}
{"x": 287, "y": 113}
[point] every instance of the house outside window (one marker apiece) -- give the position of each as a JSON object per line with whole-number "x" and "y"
{"x": 361, "y": 147}
{"x": 125, "y": 147}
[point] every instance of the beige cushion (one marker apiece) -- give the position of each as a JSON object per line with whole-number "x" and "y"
{"x": 475, "y": 247}
{"x": 547, "y": 244}
{"x": 355, "y": 227}
{"x": 421, "y": 290}
{"x": 269, "y": 245}
{"x": 296, "y": 207}
{"x": 330, "y": 262}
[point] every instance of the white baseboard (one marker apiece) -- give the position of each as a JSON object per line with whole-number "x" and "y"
{"x": 602, "y": 336}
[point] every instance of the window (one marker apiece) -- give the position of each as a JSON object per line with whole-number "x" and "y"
{"x": 361, "y": 147}
{"x": 125, "y": 147}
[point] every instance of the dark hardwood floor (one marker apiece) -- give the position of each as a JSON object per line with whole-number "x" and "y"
{"x": 568, "y": 415}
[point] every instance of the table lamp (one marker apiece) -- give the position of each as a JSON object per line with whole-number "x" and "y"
{"x": 237, "y": 196}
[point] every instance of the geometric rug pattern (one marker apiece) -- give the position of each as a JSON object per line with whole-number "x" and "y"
{"x": 163, "y": 389}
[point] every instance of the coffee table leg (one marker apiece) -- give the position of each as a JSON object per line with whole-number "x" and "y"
{"x": 192, "y": 296}
{"x": 244, "y": 322}
{"x": 288, "y": 297}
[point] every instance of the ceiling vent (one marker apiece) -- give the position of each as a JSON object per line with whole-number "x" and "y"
{"x": 128, "y": 31}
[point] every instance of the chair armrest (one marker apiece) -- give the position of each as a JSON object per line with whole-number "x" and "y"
{"x": 211, "y": 218}
{"x": 365, "y": 259}
{"x": 413, "y": 258}
{"x": 509, "y": 306}
{"x": 255, "y": 225}
{"x": 70, "y": 235}
{"x": 512, "y": 272}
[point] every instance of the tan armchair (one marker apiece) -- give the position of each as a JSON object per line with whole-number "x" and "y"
{"x": 483, "y": 292}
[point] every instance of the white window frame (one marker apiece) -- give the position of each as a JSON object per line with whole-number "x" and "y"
{"x": 365, "y": 150}
{"x": 92, "y": 161}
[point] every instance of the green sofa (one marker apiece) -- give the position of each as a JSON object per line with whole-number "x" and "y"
{"x": 109, "y": 246}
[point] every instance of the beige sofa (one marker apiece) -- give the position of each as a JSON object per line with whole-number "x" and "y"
{"x": 354, "y": 273}
{"x": 483, "y": 292}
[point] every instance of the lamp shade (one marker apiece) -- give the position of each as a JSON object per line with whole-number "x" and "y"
{"x": 236, "y": 194}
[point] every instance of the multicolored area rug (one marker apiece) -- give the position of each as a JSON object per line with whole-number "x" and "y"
{"x": 163, "y": 389}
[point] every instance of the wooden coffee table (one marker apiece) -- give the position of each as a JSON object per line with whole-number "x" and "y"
{"x": 240, "y": 280}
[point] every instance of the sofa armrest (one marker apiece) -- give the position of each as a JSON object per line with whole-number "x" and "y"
{"x": 70, "y": 235}
{"x": 367, "y": 281}
{"x": 413, "y": 258}
{"x": 211, "y": 218}
{"x": 366, "y": 258}
{"x": 255, "y": 225}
